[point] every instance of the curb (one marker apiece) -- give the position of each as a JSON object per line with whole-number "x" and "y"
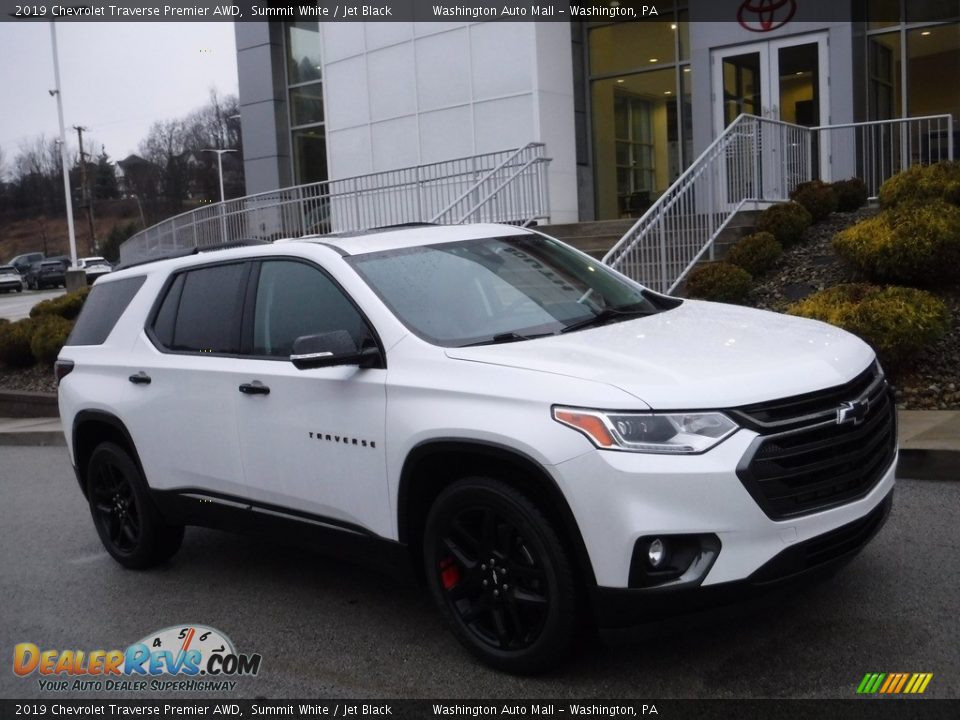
{"x": 26, "y": 404}
{"x": 39, "y": 438}
{"x": 942, "y": 465}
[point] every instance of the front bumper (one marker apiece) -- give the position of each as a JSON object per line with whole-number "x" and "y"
{"x": 11, "y": 285}
{"x": 616, "y": 608}
{"x": 618, "y": 498}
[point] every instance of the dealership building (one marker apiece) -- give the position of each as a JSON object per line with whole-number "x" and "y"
{"x": 622, "y": 108}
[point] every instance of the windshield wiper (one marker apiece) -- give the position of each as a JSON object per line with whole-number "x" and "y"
{"x": 506, "y": 337}
{"x": 605, "y": 316}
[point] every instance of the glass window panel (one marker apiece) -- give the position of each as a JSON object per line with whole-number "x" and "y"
{"x": 883, "y": 13}
{"x": 741, "y": 91}
{"x": 303, "y": 52}
{"x": 683, "y": 28}
{"x": 310, "y": 155}
{"x": 799, "y": 83}
{"x": 306, "y": 104}
{"x": 208, "y": 319}
{"x": 883, "y": 89}
{"x": 630, "y": 46}
{"x": 295, "y": 299}
{"x": 932, "y": 10}
{"x": 634, "y": 112}
{"x": 933, "y": 55}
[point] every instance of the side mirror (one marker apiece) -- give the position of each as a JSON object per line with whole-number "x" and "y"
{"x": 331, "y": 349}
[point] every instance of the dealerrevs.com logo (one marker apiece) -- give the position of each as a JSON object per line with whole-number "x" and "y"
{"x": 180, "y": 657}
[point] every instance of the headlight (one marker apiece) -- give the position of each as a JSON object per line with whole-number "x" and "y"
{"x": 670, "y": 433}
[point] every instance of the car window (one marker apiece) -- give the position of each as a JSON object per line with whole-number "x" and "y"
{"x": 203, "y": 314}
{"x": 296, "y": 299}
{"x": 102, "y": 309}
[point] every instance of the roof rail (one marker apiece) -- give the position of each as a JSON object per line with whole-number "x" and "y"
{"x": 194, "y": 251}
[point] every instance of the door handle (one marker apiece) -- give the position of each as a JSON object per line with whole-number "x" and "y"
{"x": 254, "y": 388}
{"x": 141, "y": 378}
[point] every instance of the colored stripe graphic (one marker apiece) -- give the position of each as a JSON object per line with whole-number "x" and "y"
{"x": 894, "y": 683}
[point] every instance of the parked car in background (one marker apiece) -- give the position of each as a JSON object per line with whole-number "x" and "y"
{"x": 23, "y": 262}
{"x": 46, "y": 273}
{"x": 94, "y": 267}
{"x": 10, "y": 279}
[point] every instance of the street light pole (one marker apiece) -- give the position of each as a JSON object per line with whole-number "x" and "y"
{"x": 63, "y": 145}
{"x": 223, "y": 218}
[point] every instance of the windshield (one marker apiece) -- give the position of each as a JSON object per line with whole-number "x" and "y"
{"x": 500, "y": 289}
{"x": 9, "y": 270}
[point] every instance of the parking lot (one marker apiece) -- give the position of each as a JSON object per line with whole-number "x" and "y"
{"x": 326, "y": 628}
{"x": 16, "y": 305}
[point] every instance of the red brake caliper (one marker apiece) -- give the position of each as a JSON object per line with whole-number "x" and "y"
{"x": 449, "y": 573}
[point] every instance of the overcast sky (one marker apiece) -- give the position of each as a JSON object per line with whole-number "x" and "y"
{"x": 117, "y": 78}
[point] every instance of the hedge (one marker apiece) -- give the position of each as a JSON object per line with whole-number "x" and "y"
{"x": 922, "y": 183}
{"x": 786, "y": 222}
{"x": 851, "y": 194}
{"x": 720, "y": 282}
{"x": 898, "y": 322}
{"x": 817, "y": 197}
{"x": 755, "y": 253}
{"x": 67, "y": 306}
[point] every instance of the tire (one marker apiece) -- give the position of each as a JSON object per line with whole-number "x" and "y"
{"x": 127, "y": 521}
{"x": 516, "y": 609}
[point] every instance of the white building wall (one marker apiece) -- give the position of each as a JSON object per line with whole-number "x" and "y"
{"x": 401, "y": 94}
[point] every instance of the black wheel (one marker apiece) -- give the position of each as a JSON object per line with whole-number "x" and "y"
{"x": 128, "y": 523}
{"x": 20, "y": 289}
{"x": 500, "y": 576}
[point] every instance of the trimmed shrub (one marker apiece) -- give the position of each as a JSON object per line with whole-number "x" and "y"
{"x": 817, "y": 197}
{"x": 15, "y": 343}
{"x": 897, "y": 322}
{"x": 49, "y": 334}
{"x": 851, "y": 194}
{"x": 786, "y": 222}
{"x": 66, "y": 306}
{"x": 921, "y": 183}
{"x": 755, "y": 253}
{"x": 914, "y": 244}
{"x": 720, "y": 282}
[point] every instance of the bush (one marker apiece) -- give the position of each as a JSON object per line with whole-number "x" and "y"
{"x": 119, "y": 234}
{"x": 851, "y": 194}
{"x": 755, "y": 253}
{"x": 15, "y": 343}
{"x": 817, "y": 197}
{"x": 49, "y": 335}
{"x": 720, "y": 282}
{"x": 66, "y": 306}
{"x": 897, "y": 322}
{"x": 913, "y": 244}
{"x": 786, "y": 222}
{"x": 922, "y": 183}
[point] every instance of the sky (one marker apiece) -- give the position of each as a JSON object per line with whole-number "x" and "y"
{"x": 117, "y": 79}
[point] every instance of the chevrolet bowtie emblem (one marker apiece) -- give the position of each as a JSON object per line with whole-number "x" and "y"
{"x": 855, "y": 412}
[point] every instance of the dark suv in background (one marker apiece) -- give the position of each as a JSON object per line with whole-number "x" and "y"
{"x": 46, "y": 273}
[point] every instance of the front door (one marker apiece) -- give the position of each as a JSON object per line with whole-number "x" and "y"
{"x": 786, "y": 80}
{"x": 311, "y": 441}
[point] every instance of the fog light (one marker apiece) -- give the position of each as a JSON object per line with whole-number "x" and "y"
{"x": 656, "y": 553}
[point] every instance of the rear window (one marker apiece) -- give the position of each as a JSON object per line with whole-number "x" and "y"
{"x": 201, "y": 311}
{"x": 104, "y": 306}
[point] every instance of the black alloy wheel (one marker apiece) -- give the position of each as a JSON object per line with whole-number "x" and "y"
{"x": 128, "y": 523}
{"x": 500, "y": 575}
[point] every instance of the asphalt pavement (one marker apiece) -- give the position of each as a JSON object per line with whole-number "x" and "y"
{"x": 326, "y": 628}
{"x": 16, "y": 305}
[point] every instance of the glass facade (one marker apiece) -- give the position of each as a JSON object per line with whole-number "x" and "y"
{"x": 912, "y": 65}
{"x": 639, "y": 75}
{"x": 305, "y": 101}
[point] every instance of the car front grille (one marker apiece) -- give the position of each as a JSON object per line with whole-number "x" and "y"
{"x": 806, "y": 459}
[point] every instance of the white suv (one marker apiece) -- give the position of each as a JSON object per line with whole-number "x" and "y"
{"x": 543, "y": 437}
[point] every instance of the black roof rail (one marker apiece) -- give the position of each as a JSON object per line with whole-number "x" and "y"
{"x": 244, "y": 242}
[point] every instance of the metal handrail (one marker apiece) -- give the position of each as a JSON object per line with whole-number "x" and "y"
{"x": 759, "y": 161}
{"x": 484, "y": 179}
{"x": 412, "y": 194}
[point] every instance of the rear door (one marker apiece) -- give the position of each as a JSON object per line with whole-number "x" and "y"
{"x": 186, "y": 428}
{"x": 314, "y": 443}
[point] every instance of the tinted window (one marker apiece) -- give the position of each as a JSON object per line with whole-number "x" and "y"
{"x": 167, "y": 315}
{"x": 295, "y": 299}
{"x": 103, "y": 308}
{"x": 208, "y": 314}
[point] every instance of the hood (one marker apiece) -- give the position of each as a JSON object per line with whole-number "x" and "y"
{"x": 699, "y": 355}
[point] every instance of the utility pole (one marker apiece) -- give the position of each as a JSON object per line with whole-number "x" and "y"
{"x": 63, "y": 144}
{"x": 85, "y": 193}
